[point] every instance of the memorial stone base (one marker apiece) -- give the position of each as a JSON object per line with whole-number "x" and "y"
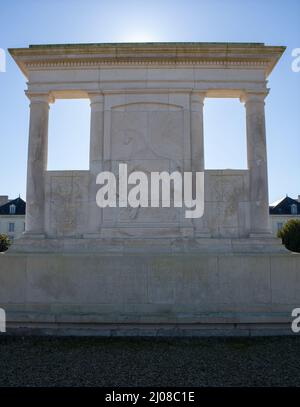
{"x": 132, "y": 291}
{"x": 82, "y": 269}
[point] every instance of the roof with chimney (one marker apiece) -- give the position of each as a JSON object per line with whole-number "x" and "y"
{"x": 20, "y": 207}
{"x": 284, "y": 206}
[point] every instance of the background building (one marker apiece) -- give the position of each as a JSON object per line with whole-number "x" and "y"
{"x": 283, "y": 210}
{"x": 12, "y": 216}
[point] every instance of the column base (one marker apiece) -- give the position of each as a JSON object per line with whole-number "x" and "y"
{"x": 30, "y": 235}
{"x": 202, "y": 234}
{"x": 264, "y": 235}
{"x": 120, "y": 245}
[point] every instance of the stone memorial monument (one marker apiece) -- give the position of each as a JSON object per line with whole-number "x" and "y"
{"x": 81, "y": 267}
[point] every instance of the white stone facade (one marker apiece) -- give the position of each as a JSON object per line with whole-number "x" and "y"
{"x": 82, "y": 269}
{"x": 12, "y": 225}
{"x": 147, "y": 111}
{"x": 278, "y": 221}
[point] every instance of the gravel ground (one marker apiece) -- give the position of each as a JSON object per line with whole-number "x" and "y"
{"x": 45, "y": 361}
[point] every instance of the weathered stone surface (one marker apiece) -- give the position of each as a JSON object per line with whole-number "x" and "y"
{"x": 147, "y": 111}
{"x": 82, "y": 269}
{"x": 207, "y": 291}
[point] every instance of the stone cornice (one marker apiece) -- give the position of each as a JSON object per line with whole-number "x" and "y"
{"x": 212, "y": 55}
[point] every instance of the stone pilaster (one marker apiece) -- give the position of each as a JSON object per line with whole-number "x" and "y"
{"x": 96, "y": 159}
{"x": 97, "y": 127}
{"x": 37, "y": 164}
{"x": 197, "y": 151}
{"x": 197, "y": 139}
{"x": 257, "y": 163}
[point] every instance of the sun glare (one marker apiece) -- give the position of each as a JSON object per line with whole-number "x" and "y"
{"x": 139, "y": 36}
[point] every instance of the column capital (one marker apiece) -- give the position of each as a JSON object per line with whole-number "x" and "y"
{"x": 256, "y": 97}
{"x": 40, "y": 97}
{"x": 96, "y": 101}
{"x": 197, "y": 96}
{"x": 197, "y": 100}
{"x": 96, "y": 97}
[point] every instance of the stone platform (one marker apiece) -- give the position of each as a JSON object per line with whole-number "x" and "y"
{"x": 115, "y": 293}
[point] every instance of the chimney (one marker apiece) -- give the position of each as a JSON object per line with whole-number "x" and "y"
{"x": 3, "y": 199}
{"x": 298, "y": 198}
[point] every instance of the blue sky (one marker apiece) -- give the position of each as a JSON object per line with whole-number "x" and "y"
{"x": 273, "y": 22}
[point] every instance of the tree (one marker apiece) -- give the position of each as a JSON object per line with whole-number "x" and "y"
{"x": 4, "y": 242}
{"x": 290, "y": 235}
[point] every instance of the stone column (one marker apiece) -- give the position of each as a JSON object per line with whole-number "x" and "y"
{"x": 197, "y": 139}
{"x": 96, "y": 160}
{"x": 37, "y": 164}
{"x": 257, "y": 163}
{"x": 97, "y": 127}
{"x": 197, "y": 152}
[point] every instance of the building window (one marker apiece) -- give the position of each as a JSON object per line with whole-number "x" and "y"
{"x": 12, "y": 209}
{"x": 11, "y": 227}
{"x": 279, "y": 226}
{"x": 294, "y": 210}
